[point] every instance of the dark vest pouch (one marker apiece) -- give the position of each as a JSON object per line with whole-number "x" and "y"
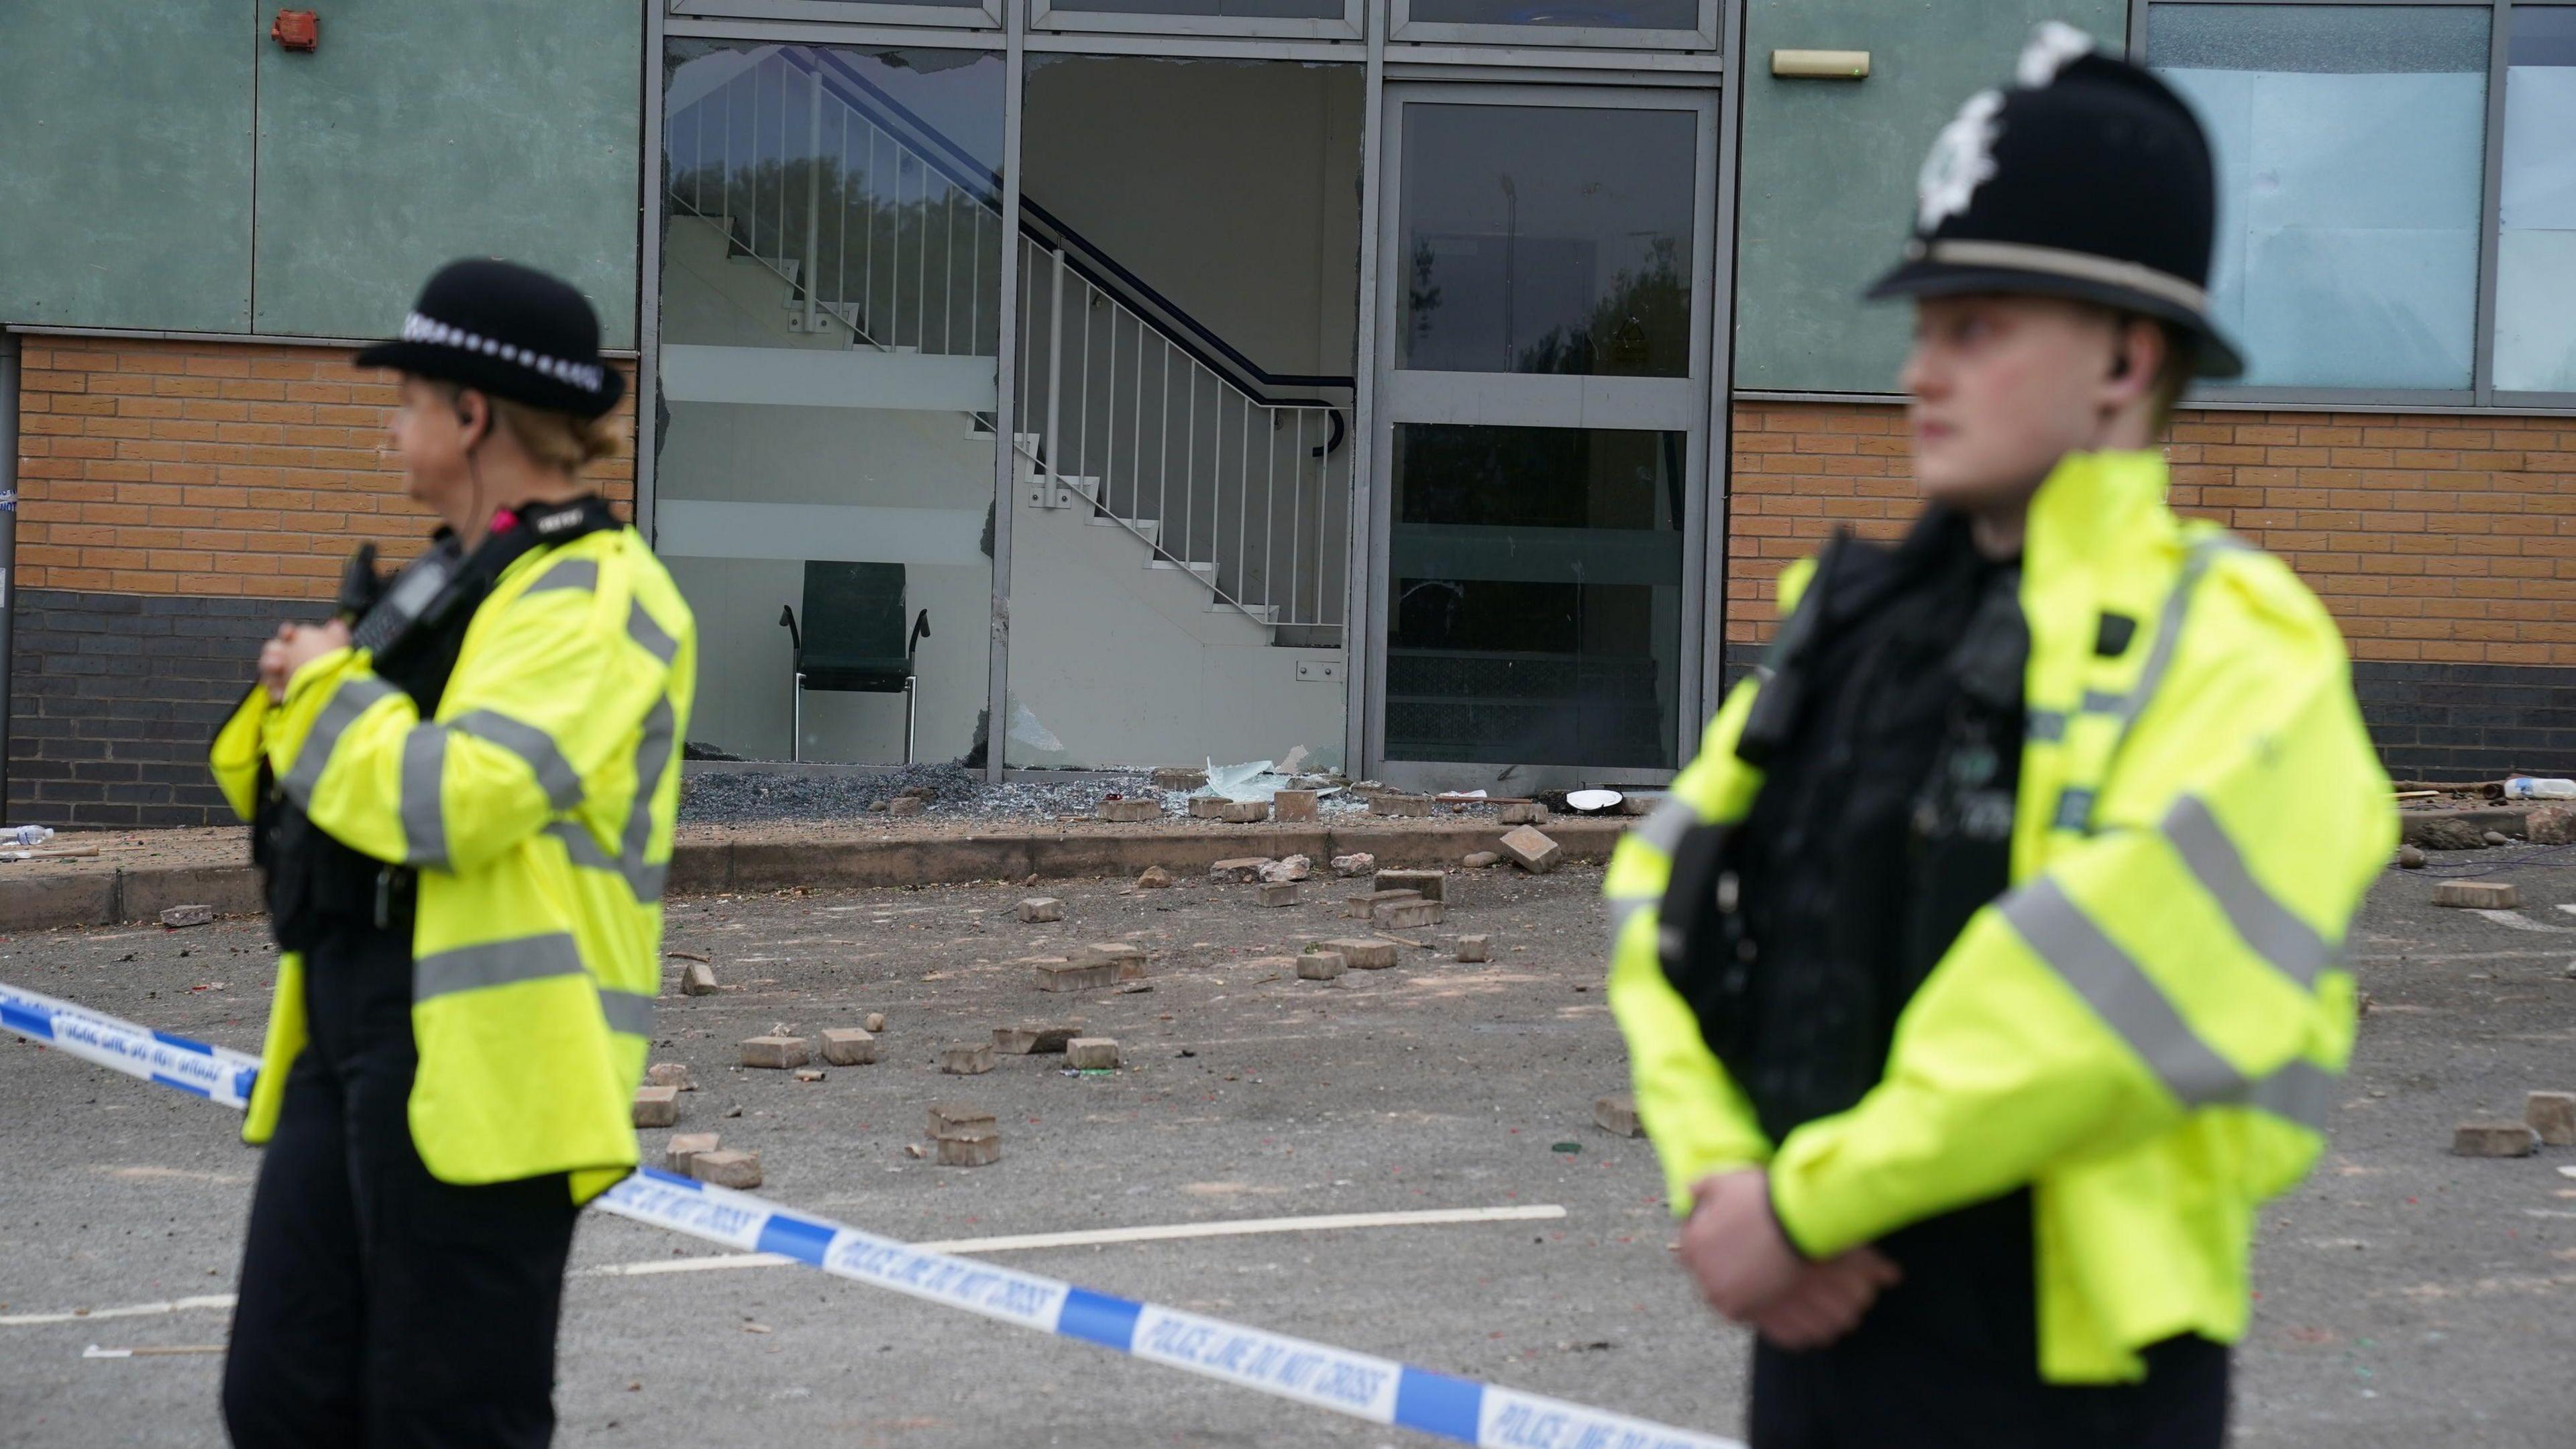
{"x": 1706, "y": 952}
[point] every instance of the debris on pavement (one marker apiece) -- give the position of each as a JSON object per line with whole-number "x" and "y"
{"x": 2492, "y": 895}
{"x": 684, "y": 1147}
{"x": 2552, "y": 1115}
{"x": 1362, "y": 954}
{"x": 774, "y": 1053}
{"x": 1041, "y": 908}
{"x": 674, "y": 1075}
{"x": 970, "y": 1147}
{"x": 849, "y": 1046}
{"x": 1279, "y": 893}
{"x": 2409, "y": 858}
{"x": 1616, "y": 1114}
{"x": 809, "y": 1074}
{"x": 1155, "y": 878}
{"x": 1357, "y": 863}
{"x": 1475, "y": 948}
{"x": 1480, "y": 859}
{"x": 1242, "y": 870}
{"x": 967, "y": 1059}
{"x": 1055, "y": 973}
{"x": 1288, "y": 869}
{"x": 2494, "y": 1139}
{"x": 737, "y": 1170}
{"x": 657, "y": 1106}
{"x": 875, "y": 1021}
{"x": 177, "y": 917}
{"x": 1319, "y": 965}
{"x": 1531, "y": 813}
{"x": 1091, "y": 1053}
{"x": 1032, "y": 1040}
{"x": 1532, "y": 850}
{"x": 698, "y": 979}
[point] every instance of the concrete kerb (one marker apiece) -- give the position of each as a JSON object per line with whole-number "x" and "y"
{"x": 97, "y": 898}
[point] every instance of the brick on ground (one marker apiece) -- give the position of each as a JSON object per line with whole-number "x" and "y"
{"x": 1526, "y": 813}
{"x": 2491, "y": 895}
{"x": 875, "y": 1021}
{"x": 1294, "y": 804}
{"x": 1091, "y": 1053}
{"x": 1062, "y": 975}
{"x": 1155, "y": 878}
{"x": 1616, "y": 1114}
{"x": 950, "y": 1115}
{"x": 1532, "y": 850}
{"x": 697, "y": 979}
{"x": 1479, "y": 859}
{"x": 657, "y": 1106}
{"x": 2494, "y": 1139}
{"x": 1125, "y": 958}
{"x": 1242, "y": 870}
{"x": 777, "y": 1053}
{"x": 683, "y": 1147}
{"x": 1364, "y": 906}
{"x": 967, "y": 1059}
{"x": 737, "y": 1170}
{"x": 1363, "y": 953}
{"x": 1401, "y": 805}
{"x": 1130, "y": 812}
{"x": 1031, "y": 1039}
{"x": 1408, "y": 915}
{"x": 1179, "y": 777}
{"x": 1278, "y": 892}
{"x": 1321, "y": 965}
{"x": 178, "y": 916}
{"x": 1355, "y": 864}
{"x": 1432, "y": 884}
{"x": 2553, "y": 1116}
{"x": 970, "y": 1147}
{"x": 809, "y": 1074}
{"x": 1041, "y": 908}
{"x": 671, "y": 1074}
{"x": 849, "y": 1046}
{"x": 1475, "y": 948}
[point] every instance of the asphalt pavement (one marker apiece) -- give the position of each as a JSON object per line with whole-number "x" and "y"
{"x": 2407, "y": 1297}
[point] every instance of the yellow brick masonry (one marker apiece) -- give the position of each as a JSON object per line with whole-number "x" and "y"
{"x": 199, "y": 468}
{"x": 2445, "y": 539}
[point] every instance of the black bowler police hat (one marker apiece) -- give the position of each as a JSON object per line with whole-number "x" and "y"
{"x": 507, "y": 331}
{"x": 2089, "y": 179}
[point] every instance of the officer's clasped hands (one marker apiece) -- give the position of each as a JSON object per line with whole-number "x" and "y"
{"x": 1746, "y": 1268}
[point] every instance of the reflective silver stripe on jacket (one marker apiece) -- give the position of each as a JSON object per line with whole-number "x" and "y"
{"x": 1621, "y": 909}
{"x": 644, "y": 880}
{"x": 2277, "y": 934}
{"x": 1670, "y": 821}
{"x": 2128, "y": 1000}
{"x": 627, "y": 1011}
{"x": 424, "y": 818}
{"x": 653, "y": 752}
{"x": 555, "y": 774}
{"x": 571, "y": 573}
{"x": 356, "y": 695}
{"x": 642, "y": 628}
{"x": 494, "y": 963}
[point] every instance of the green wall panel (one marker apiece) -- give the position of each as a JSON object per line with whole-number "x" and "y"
{"x": 1827, "y": 170}
{"x": 125, "y": 163}
{"x": 426, "y": 130}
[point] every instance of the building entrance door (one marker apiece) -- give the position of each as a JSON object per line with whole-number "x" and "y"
{"x": 1540, "y": 434}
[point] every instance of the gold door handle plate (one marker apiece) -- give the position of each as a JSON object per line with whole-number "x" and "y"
{"x": 1821, "y": 64}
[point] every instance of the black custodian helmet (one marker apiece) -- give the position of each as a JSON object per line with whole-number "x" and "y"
{"x": 2088, "y": 179}
{"x": 507, "y": 331}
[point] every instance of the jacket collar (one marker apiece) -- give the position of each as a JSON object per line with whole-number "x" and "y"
{"x": 2093, "y": 506}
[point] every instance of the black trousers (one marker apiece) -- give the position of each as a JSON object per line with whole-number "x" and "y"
{"x": 379, "y": 1306}
{"x": 1899, "y": 1390}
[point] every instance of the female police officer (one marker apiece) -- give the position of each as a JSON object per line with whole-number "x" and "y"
{"x": 463, "y": 794}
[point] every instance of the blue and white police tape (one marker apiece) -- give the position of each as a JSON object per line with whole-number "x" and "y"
{"x": 157, "y": 1056}
{"x": 1364, "y": 1386}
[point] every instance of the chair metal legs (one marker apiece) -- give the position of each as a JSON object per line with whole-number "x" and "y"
{"x": 911, "y": 703}
{"x": 796, "y": 719}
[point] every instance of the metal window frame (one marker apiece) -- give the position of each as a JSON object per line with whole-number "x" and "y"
{"x": 1704, "y": 458}
{"x": 1402, "y": 27}
{"x": 2482, "y": 393}
{"x": 1047, "y": 15}
{"x": 986, "y": 15}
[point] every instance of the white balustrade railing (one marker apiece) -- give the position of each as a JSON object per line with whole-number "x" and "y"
{"x": 1121, "y": 412}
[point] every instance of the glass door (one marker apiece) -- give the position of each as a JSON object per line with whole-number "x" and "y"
{"x": 1541, "y": 434}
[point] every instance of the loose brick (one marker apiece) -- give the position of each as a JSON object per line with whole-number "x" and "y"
{"x": 1295, "y": 804}
{"x": 1130, "y": 812}
{"x": 848, "y": 1046}
{"x": 1278, "y": 892}
{"x": 2551, "y": 825}
{"x": 1529, "y": 813}
{"x": 1242, "y": 870}
{"x": 657, "y": 1106}
{"x": 809, "y": 1074}
{"x": 1475, "y": 948}
{"x": 737, "y": 1170}
{"x": 967, "y": 1059}
{"x": 698, "y": 979}
{"x": 2553, "y": 1116}
{"x": 674, "y": 1075}
{"x": 1617, "y": 1115}
{"x": 1091, "y": 1053}
{"x": 1155, "y": 878}
{"x": 1400, "y": 805}
{"x": 1480, "y": 859}
{"x": 1288, "y": 868}
{"x": 1076, "y": 976}
{"x": 1364, "y": 953}
{"x": 776, "y": 1053}
{"x": 683, "y": 1148}
{"x": 2494, "y": 1139}
{"x": 1355, "y": 864}
{"x": 1041, "y": 908}
{"x": 1432, "y": 884}
{"x": 1127, "y": 958}
{"x": 1532, "y": 851}
{"x": 973, "y": 1147}
{"x": 1179, "y": 777}
{"x": 875, "y": 1021}
{"x": 1363, "y": 907}
{"x": 1030, "y": 1040}
{"x": 1409, "y": 915}
{"x": 953, "y": 1116}
{"x": 1244, "y": 812}
{"x": 1321, "y": 965}
{"x": 178, "y": 916}
{"x": 1205, "y": 807}
{"x": 2491, "y": 895}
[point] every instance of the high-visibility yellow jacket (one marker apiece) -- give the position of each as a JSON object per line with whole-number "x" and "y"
{"x": 537, "y": 807}
{"x": 2147, "y": 1028}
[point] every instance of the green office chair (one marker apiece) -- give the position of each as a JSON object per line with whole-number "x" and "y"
{"x": 853, "y": 641}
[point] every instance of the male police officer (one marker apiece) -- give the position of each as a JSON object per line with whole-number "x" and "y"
{"x": 1980, "y": 976}
{"x": 464, "y": 806}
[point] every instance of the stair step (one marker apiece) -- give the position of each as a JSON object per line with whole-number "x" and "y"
{"x": 1260, "y": 613}
{"x": 1206, "y": 572}
{"x": 1150, "y": 529}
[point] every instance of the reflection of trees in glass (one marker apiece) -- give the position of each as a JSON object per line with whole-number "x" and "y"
{"x": 1640, "y": 328}
{"x": 904, "y": 254}
{"x": 1422, "y": 297}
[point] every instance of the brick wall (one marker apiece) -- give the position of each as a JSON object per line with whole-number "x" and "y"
{"x": 2446, "y": 547}
{"x": 175, "y": 501}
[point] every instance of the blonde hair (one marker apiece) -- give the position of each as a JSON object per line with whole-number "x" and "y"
{"x": 551, "y": 439}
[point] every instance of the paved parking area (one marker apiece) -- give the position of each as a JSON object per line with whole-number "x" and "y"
{"x": 2408, "y": 1297}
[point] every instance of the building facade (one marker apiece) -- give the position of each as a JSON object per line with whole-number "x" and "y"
{"x": 1436, "y": 385}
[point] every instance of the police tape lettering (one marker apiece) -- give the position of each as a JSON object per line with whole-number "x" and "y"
{"x": 1379, "y": 1390}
